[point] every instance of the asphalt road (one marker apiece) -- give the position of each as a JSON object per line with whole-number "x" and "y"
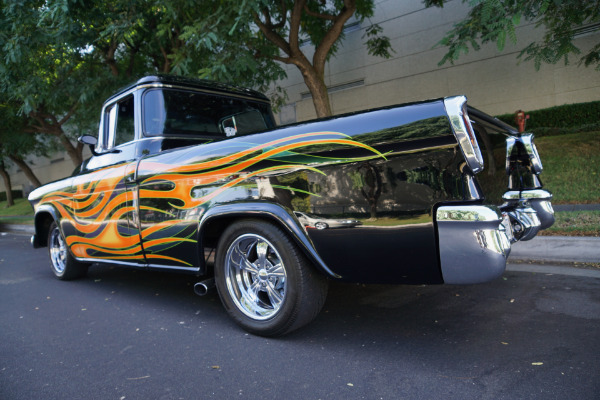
{"x": 125, "y": 334}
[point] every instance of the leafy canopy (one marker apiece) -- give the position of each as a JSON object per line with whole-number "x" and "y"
{"x": 497, "y": 20}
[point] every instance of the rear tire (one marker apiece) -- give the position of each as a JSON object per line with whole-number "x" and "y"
{"x": 64, "y": 266}
{"x": 265, "y": 282}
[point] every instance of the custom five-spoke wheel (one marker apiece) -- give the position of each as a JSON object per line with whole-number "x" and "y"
{"x": 64, "y": 266}
{"x": 264, "y": 280}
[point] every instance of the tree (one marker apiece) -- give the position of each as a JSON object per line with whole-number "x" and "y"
{"x": 16, "y": 145}
{"x": 255, "y": 34}
{"x": 80, "y": 53}
{"x": 497, "y": 20}
{"x": 41, "y": 73}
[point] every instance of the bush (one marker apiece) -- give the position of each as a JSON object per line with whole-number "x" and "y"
{"x": 568, "y": 118}
{"x": 17, "y": 194}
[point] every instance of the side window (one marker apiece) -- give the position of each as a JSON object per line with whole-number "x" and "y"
{"x": 121, "y": 125}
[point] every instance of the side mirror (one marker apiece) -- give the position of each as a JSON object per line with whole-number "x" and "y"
{"x": 90, "y": 141}
{"x": 87, "y": 139}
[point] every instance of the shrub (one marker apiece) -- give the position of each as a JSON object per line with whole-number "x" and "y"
{"x": 17, "y": 194}
{"x": 568, "y": 118}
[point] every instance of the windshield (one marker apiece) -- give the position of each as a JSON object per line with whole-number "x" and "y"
{"x": 186, "y": 113}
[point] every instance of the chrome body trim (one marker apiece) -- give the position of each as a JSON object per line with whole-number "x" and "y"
{"x": 473, "y": 243}
{"x": 463, "y": 131}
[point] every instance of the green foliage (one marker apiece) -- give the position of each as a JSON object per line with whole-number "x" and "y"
{"x": 378, "y": 45}
{"x": 496, "y": 21}
{"x": 560, "y": 119}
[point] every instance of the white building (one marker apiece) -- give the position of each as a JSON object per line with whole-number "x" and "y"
{"x": 493, "y": 81}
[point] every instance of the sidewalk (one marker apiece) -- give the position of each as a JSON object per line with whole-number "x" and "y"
{"x": 557, "y": 248}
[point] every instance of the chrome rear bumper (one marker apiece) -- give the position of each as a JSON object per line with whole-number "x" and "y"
{"x": 475, "y": 240}
{"x": 473, "y": 243}
{"x": 538, "y": 199}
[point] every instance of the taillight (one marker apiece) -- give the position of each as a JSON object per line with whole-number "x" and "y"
{"x": 456, "y": 108}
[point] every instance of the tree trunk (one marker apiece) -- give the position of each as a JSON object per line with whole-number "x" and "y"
{"x": 28, "y": 172}
{"x": 318, "y": 90}
{"x": 75, "y": 153}
{"x": 7, "y": 185}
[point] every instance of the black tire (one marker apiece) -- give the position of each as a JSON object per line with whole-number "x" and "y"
{"x": 277, "y": 290}
{"x": 64, "y": 266}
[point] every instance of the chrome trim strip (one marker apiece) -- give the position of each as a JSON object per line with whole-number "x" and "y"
{"x": 467, "y": 213}
{"x": 111, "y": 261}
{"x": 455, "y": 108}
{"x": 172, "y": 267}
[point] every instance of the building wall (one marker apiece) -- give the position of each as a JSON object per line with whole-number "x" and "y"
{"x": 493, "y": 81}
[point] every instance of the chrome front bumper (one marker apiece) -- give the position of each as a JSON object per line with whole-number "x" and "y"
{"x": 475, "y": 240}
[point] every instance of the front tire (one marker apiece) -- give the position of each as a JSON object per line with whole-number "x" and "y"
{"x": 265, "y": 282}
{"x": 64, "y": 266}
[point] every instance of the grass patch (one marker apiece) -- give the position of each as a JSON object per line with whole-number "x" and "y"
{"x": 21, "y": 207}
{"x": 20, "y": 213}
{"x": 571, "y": 167}
{"x": 575, "y": 223}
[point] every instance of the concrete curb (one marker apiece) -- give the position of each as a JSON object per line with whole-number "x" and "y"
{"x": 17, "y": 228}
{"x": 557, "y": 248}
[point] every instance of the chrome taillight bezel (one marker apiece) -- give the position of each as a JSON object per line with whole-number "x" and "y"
{"x": 456, "y": 108}
{"x": 526, "y": 140}
{"x": 534, "y": 157}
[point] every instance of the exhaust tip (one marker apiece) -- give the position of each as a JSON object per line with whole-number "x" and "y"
{"x": 202, "y": 288}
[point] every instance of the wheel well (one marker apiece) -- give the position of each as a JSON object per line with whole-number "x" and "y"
{"x": 42, "y": 225}
{"x": 214, "y": 228}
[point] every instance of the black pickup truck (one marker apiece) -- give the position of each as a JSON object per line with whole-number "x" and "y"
{"x": 183, "y": 167}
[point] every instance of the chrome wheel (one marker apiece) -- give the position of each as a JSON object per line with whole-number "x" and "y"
{"x": 63, "y": 265}
{"x": 264, "y": 280}
{"x": 255, "y": 276}
{"x": 58, "y": 251}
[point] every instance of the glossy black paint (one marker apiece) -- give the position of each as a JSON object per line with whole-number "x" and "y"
{"x": 388, "y": 168}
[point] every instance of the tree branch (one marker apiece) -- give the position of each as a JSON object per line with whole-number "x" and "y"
{"x": 332, "y": 35}
{"x": 295, "y": 19}
{"x": 283, "y": 13}
{"x": 68, "y": 115}
{"x": 272, "y": 36}
{"x": 318, "y": 15}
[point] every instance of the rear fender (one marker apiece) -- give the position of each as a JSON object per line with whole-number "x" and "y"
{"x": 274, "y": 212}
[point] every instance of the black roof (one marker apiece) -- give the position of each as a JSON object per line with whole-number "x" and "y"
{"x": 193, "y": 83}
